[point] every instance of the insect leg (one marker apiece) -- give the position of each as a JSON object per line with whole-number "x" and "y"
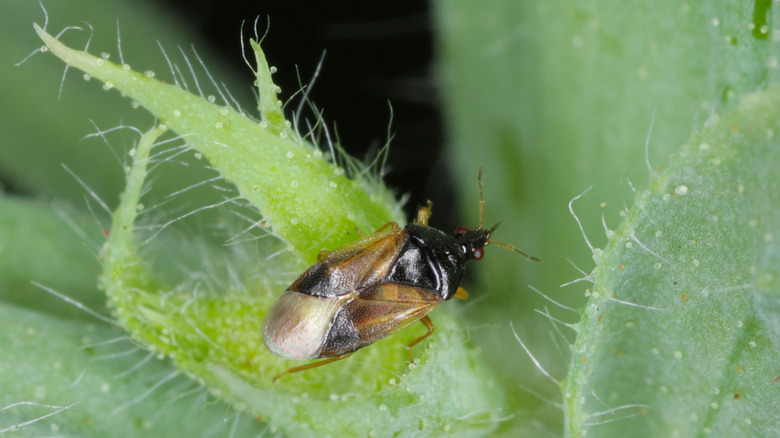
{"x": 391, "y": 225}
{"x": 429, "y": 325}
{"x": 461, "y": 294}
{"x": 425, "y": 213}
{"x": 313, "y": 365}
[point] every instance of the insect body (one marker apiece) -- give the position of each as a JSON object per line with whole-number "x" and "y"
{"x": 372, "y": 288}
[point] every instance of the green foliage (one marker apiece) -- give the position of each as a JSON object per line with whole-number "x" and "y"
{"x": 555, "y": 97}
{"x": 265, "y": 160}
{"x": 682, "y": 324}
{"x": 80, "y": 375}
{"x": 679, "y": 334}
{"x": 209, "y": 323}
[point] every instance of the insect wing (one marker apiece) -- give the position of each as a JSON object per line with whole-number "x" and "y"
{"x": 354, "y": 266}
{"x": 381, "y": 311}
{"x": 298, "y": 324}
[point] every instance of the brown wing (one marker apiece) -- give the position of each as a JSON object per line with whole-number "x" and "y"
{"x": 377, "y": 313}
{"x": 354, "y": 266}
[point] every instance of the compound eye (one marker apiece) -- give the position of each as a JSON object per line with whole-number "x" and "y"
{"x": 479, "y": 253}
{"x": 461, "y": 230}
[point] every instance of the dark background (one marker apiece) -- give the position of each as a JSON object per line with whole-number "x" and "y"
{"x": 377, "y": 55}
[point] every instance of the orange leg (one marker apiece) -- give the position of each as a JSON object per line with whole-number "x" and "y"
{"x": 424, "y": 214}
{"x": 391, "y": 225}
{"x": 313, "y": 365}
{"x": 461, "y": 294}
{"x": 429, "y": 325}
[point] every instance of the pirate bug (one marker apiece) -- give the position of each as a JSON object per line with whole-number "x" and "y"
{"x": 373, "y": 287}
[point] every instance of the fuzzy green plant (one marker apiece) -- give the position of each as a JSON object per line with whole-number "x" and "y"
{"x": 211, "y": 328}
{"x": 695, "y": 263}
{"x": 561, "y": 96}
{"x": 674, "y": 332}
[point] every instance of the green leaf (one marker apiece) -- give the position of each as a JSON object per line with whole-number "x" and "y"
{"x": 51, "y": 245}
{"x": 82, "y": 379}
{"x": 46, "y": 120}
{"x": 683, "y": 325}
{"x": 558, "y": 96}
{"x": 299, "y": 194}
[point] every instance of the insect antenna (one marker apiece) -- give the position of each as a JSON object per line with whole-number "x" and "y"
{"x": 513, "y": 248}
{"x": 482, "y": 220}
{"x": 481, "y": 199}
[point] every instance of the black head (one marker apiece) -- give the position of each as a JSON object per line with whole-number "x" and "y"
{"x": 472, "y": 242}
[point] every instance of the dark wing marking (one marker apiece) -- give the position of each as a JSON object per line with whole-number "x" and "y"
{"x": 377, "y": 313}
{"x": 355, "y": 266}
